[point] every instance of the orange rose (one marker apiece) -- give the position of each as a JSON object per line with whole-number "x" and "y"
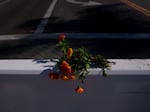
{"x": 79, "y": 89}
{"x": 70, "y": 52}
{"x": 66, "y": 69}
{"x": 61, "y": 37}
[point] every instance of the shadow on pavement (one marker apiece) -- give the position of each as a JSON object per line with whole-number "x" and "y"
{"x": 114, "y": 18}
{"x": 46, "y": 48}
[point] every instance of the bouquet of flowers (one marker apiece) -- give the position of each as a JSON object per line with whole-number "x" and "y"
{"x": 74, "y": 64}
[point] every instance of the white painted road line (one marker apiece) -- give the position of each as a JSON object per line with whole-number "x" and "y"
{"x": 42, "y": 25}
{"x": 37, "y": 67}
{"x": 88, "y": 3}
{"x": 4, "y": 2}
{"x": 14, "y": 37}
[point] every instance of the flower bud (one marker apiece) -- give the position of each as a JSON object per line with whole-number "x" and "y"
{"x": 61, "y": 37}
{"x": 79, "y": 89}
{"x": 70, "y": 52}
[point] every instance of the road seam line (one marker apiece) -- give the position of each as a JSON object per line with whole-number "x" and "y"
{"x": 77, "y": 36}
{"x": 137, "y": 7}
{"x": 48, "y": 14}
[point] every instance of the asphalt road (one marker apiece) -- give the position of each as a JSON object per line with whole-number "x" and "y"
{"x": 112, "y": 16}
{"x": 24, "y": 16}
{"x": 40, "y": 94}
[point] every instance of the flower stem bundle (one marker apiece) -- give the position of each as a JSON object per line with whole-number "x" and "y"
{"x": 74, "y": 63}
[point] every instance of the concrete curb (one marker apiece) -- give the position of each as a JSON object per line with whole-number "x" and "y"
{"x": 38, "y": 67}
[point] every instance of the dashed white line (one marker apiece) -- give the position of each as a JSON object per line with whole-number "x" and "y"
{"x": 88, "y": 3}
{"x": 41, "y": 26}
